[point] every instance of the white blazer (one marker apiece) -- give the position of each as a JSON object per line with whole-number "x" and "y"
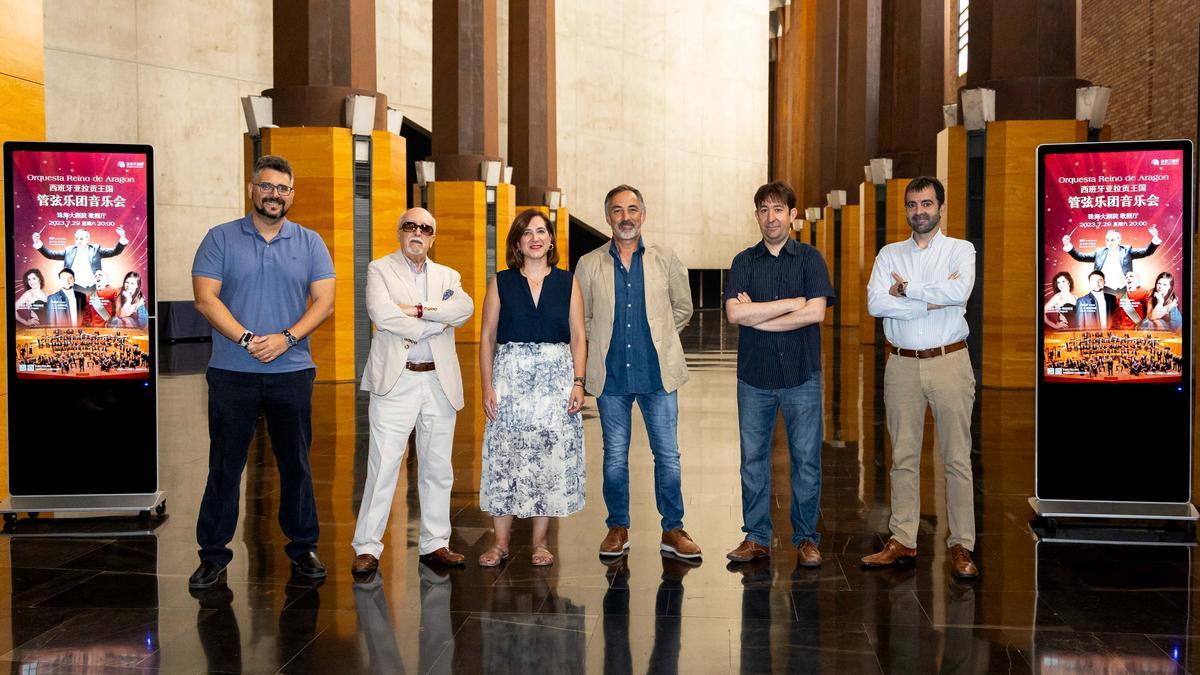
{"x": 390, "y": 283}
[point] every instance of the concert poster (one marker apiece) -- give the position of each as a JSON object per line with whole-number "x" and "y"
{"x": 1115, "y": 294}
{"x": 81, "y": 294}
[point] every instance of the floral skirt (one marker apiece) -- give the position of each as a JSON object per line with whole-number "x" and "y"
{"x": 533, "y": 463}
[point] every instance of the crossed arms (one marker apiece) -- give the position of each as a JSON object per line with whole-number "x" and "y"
{"x": 775, "y": 316}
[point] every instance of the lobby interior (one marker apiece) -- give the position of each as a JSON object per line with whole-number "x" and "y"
{"x": 696, "y": 103}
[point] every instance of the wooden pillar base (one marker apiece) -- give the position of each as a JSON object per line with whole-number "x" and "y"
{"x": 460, "y": 208}
{"x": 851, "y": 301}
{"x": 1010, "y": 252}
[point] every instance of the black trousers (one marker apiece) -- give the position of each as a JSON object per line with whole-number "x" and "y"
{"x": 235, "y": 400}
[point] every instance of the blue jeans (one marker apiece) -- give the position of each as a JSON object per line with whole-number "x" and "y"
{"x": 660, "y": 410}
{"x": 757, "y": 410}
{"x": 235, "y": 400}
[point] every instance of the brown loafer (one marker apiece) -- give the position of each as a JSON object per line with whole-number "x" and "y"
{"x": 680, "y": 543}
{"x": 961, "y": 564}
{"x": 893, "y": 554}
{"x": 807, "y": 554}
{"x": 747, "y": 551}
{"x": 365, "y": 564}
{"x": 445, "y": 556}
{"x": 616, "y": 542}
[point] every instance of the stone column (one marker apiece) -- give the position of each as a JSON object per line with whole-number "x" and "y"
{"x": 532, "y": 125}
{"x": 911, "y": 84}
{"x": 1025, "y": 50}
{"x": 464, "y": 88}
{"x": 324, "y": 52}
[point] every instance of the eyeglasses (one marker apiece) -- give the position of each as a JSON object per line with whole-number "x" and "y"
{"x": 284, "y": 190}
{"x": 409, "y": 226}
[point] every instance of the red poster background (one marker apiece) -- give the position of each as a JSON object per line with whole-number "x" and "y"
{"x": 1149, "y": 191}
{"x": 55, "y": 194}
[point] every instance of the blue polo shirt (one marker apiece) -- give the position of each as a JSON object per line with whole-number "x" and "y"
{"x": 768, "y": 360}
{"x": 631, "y": 366}
{"x": 264, "y": 285}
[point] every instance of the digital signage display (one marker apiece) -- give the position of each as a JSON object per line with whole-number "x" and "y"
{"x": 1114, "y": 337}
{"x": 82, "y": 409}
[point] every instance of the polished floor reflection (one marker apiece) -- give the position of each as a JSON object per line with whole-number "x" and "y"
{"x": 111, "y": 595}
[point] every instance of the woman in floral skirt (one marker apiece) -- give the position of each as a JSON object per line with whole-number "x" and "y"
{"x": 532, "y": 352}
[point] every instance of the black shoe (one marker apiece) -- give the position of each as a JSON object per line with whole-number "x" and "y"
{"x": 308, "y": 566}
{"x": 207, "y": 574}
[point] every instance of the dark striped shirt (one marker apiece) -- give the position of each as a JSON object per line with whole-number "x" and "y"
{"x": 779, "y": 360}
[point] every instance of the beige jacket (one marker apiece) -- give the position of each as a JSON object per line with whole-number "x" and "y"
{"x": 668, "y": 310}
{"x": 390, "y": 283}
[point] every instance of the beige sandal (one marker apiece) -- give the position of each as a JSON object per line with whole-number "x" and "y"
{"x": 493, "y": 557}
{"x": 541, "y": 556}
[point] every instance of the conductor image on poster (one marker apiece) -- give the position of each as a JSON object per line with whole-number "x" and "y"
{"x": 1115, "y": 296}
{"x": 81, "y": 296}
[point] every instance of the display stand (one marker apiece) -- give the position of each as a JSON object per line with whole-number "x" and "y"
{"x": 81, "y": 351}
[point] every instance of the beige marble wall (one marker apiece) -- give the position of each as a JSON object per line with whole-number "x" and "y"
{"x": 169, "y": 73}
{"x": 669, "y": 96}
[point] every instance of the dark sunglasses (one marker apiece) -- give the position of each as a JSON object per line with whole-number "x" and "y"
{"x": 409, "y": 226}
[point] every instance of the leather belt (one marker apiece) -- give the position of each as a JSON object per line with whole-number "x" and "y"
{"x": 421, "y": 367}
{"x": 929, "y": 353}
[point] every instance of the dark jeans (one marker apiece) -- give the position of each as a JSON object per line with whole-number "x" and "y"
{"x": 235, "y": 400}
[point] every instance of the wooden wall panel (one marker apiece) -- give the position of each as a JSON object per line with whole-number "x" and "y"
{"x": 897, "y": 223}
{"x": 822, "y": 233}
{"x": 389, "y": 196}
{"x": 952, "y": 171}
{"x": 462, "y": 241}
{"x": 321, "y": 159}
{"x": 854, "y": 295}
{"x": 22, "y": 118}
{"x": 1010, "y": 240}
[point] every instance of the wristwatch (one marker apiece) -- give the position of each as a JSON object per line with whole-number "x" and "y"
{"x": 291, "y": 339}
{"x": 244, "y": 341}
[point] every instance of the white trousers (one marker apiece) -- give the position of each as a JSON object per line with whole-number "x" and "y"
{"x": 415, "y": 401}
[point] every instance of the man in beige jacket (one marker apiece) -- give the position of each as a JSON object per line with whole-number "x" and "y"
{"x": 414, "y": 378}
{"x": 636, "y": 299}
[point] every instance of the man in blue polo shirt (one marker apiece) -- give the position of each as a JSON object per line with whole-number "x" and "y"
{"x": 777, "y": 293}
{"x": 252, "y": 279}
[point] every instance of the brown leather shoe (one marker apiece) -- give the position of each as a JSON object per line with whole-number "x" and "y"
{"x": 616, "y": 542}
{"x": 445, "y": 556}
{"x": 961, "y": 564}
{"x": 893, "y": 554}
{"x": 747, "y": 551}
{"x": 807, "y": 555}
{"x": 680, "y": 543}
{"x": 365, "y": 564}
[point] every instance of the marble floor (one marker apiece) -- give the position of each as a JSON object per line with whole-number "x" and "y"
{"x": 110, "y": 595}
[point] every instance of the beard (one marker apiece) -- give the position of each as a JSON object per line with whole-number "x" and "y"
{"x": 626, "y": 230}
{"x": 924, "y": 224}
{"x": 261, "y": 208}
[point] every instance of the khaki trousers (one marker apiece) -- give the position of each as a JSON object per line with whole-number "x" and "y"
{"x": 947, "y": 384}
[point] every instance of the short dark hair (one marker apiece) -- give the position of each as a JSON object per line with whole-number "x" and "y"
{"x": 68, "y": 270}
{"x": 921, "y": 182}
{"x": 1096, "y": 273}
{"x": 776, "y": 190}
{"x": 512, "y": 251}
{"x": 1063, "y": 275}
{"x": 618, "y": 190}
{"x": 35, "y": 272}
{"x": 274, "y": 162}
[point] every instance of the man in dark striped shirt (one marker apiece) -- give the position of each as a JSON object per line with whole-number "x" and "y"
{"x": 777, "y": 293}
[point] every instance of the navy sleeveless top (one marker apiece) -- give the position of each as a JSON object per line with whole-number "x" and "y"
{"x": 521, "y": 321}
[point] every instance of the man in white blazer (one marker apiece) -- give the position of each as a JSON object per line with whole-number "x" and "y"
{"x": 415, "y": 381}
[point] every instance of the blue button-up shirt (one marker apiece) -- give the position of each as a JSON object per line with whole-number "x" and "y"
{"x": 264, "y": 285}
{"x": 768, "y": 360}
{"x": 632, "y": 362}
